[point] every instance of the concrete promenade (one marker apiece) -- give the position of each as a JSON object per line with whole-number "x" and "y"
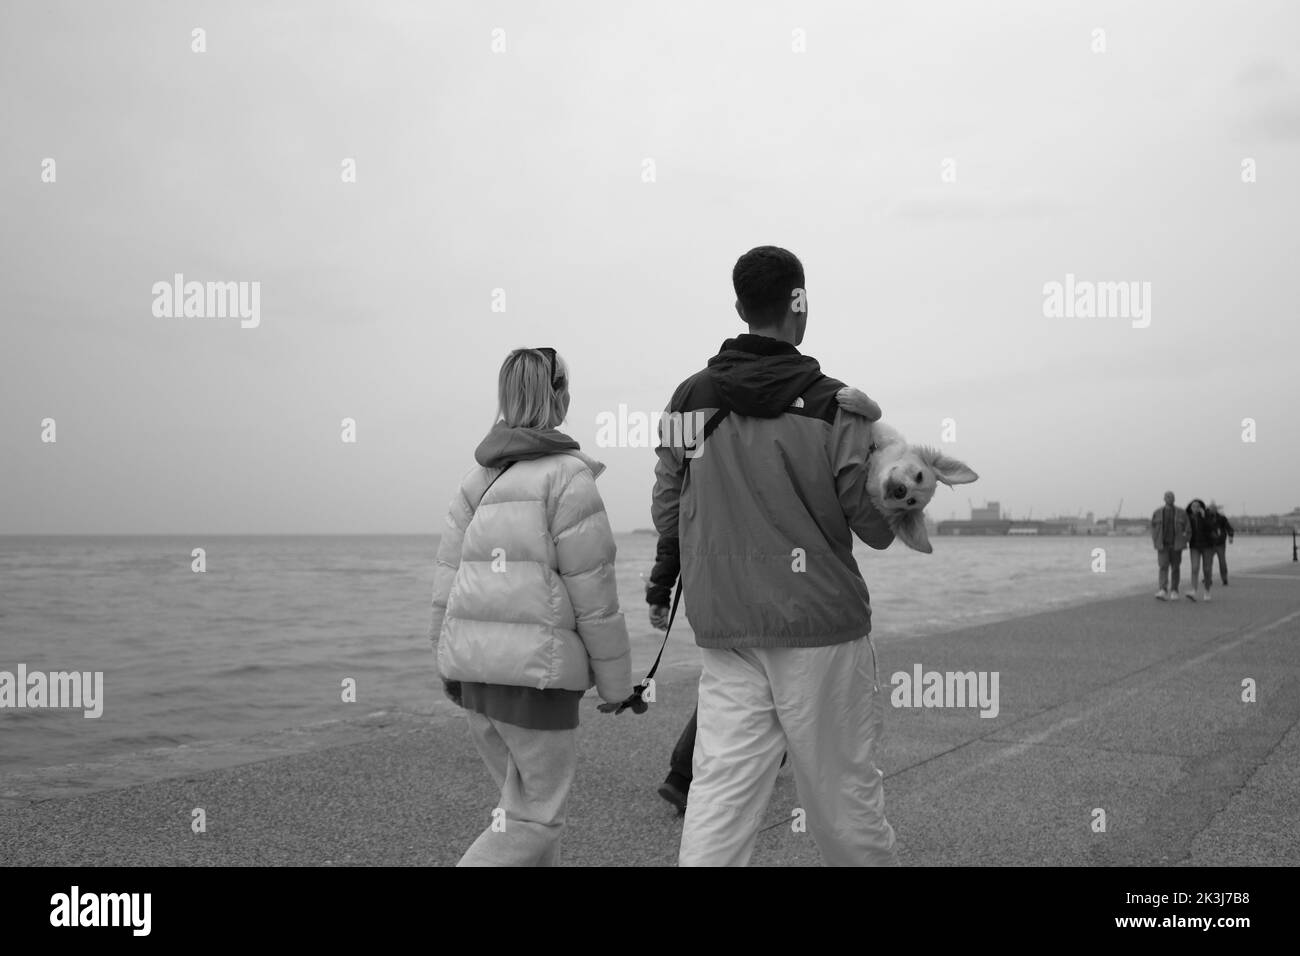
{"x": 1130, "y": 705}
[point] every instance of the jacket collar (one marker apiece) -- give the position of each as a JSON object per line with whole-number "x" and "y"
{"x": 758, "y": 345}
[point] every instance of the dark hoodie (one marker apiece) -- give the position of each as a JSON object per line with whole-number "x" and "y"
{"x": 768, "y": 506}
{"x": 505, "y": 445}
{"x": 761, "y": 377}
{"x": 1203, "y": 527}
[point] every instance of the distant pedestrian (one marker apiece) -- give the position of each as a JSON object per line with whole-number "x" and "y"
{"x": 525, "y": 609}
{"x": 1201, "y": 544}
{"x": 1224, "y": 534}
{"x": 1169, "y": 532}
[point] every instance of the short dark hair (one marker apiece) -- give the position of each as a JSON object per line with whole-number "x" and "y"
{"x": 765, "y": 279}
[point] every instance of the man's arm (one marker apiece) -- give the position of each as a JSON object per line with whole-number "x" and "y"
{"x": 670, "y": 471}
{"x": 850, "y": 445}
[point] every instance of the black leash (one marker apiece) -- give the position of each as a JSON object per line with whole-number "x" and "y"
{"x": 492, "y": 482}
{"x": 635, "y": 701}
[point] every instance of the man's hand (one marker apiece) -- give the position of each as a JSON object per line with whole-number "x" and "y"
{"x": 659, "y": 616}
{"x": 857, "y": 402}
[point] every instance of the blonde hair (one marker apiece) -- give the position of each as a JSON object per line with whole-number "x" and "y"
{"x": 525, "y": 397}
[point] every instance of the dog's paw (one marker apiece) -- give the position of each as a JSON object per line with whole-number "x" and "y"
{"x": 856, "y": 401}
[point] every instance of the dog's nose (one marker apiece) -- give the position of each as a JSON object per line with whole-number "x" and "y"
{"x": 895, "y": 490}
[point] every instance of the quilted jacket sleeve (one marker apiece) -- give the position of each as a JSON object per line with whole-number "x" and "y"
{"x": 585, "y": 554}
{"x": 447, "y": 563}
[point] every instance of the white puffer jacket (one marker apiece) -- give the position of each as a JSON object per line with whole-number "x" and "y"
{"x": 524, "y": 592}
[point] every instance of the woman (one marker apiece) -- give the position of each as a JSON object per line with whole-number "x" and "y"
{"x": 1201, "y": 546}
{"x": 525, "y": 608}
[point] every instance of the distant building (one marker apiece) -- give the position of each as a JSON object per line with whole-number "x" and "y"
{"x": 1133, "y": 526}
{"x": 990, "y": 520}
{"x": 1266, "y": 524}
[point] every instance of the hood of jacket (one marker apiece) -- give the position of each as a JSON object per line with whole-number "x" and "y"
{"x": 505, "y": 445}
{"x": 761, "y": 377}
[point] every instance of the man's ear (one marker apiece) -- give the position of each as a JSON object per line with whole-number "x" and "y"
{"x": 948, "y": 470}
{"x": 910, "y": 529}
{"x": 741, "y": 312}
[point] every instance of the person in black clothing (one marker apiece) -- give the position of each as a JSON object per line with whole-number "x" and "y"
{"x": 1224, "y": 535}
{"x": 1201, "y": 546}
{"x": 678, "y": 782}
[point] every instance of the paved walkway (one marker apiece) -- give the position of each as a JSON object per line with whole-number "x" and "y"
{"x": 1131, "y": 706}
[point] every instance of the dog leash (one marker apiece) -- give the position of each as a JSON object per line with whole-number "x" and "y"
{"x": 634, "y": 700}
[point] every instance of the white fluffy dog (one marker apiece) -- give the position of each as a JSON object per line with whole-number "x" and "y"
{"x": 901, "y": 478}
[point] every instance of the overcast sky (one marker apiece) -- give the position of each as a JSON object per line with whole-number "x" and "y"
{"x": 524, "y": 170}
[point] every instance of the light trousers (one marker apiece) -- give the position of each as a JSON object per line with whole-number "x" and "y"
{"x": 534, "y": 769}
{"x": 822, "y": 705}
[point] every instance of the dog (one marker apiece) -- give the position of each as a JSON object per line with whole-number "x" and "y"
{"x": 901, "y": 478}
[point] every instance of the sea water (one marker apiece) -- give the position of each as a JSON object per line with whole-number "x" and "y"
{"x": 270, "y": 634}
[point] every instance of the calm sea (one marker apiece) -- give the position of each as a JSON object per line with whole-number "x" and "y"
{"x": 266, "y": 636}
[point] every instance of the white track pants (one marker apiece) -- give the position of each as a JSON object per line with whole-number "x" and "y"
{"x": 534, "y": 769}
{"x": 824, "y": 707}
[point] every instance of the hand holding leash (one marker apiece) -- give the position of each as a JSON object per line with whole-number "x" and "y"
{"x": 634, "y": 701}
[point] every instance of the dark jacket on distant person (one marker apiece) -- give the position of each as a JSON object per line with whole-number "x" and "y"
{"x": 1203, "y": 527}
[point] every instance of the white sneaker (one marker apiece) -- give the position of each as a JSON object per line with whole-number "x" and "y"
{"x": 1207, "y": 597}
{"x": 1173, "y": 595}
{"x": 1190, "y": 596}
{"x": 1162, "y": 595}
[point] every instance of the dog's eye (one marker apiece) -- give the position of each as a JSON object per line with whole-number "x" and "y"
{"x": 919, "y": 478}
{"x": 911, "y": 501}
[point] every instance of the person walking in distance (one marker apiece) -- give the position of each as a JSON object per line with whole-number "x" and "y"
{"x": 1169, "y": 532}
{"x": 1224, "y": 534}
{"x": 1201, "y": 545}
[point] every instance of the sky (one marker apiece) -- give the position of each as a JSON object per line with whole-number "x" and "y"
{"x": 935, "y": 166}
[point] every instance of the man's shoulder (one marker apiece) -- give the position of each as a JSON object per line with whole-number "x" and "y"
{"x": 819, "y": 398}
{"x": 697, "y": 391}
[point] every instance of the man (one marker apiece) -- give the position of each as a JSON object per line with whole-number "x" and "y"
{"x": 758, "y": 512}
{"x": 1224, "y": 533}
{"x": 1170, "y": 529}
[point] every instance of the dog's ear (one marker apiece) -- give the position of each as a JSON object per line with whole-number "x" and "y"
{"x": 948, "y": 470}
{"x": 910, "y": 529}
